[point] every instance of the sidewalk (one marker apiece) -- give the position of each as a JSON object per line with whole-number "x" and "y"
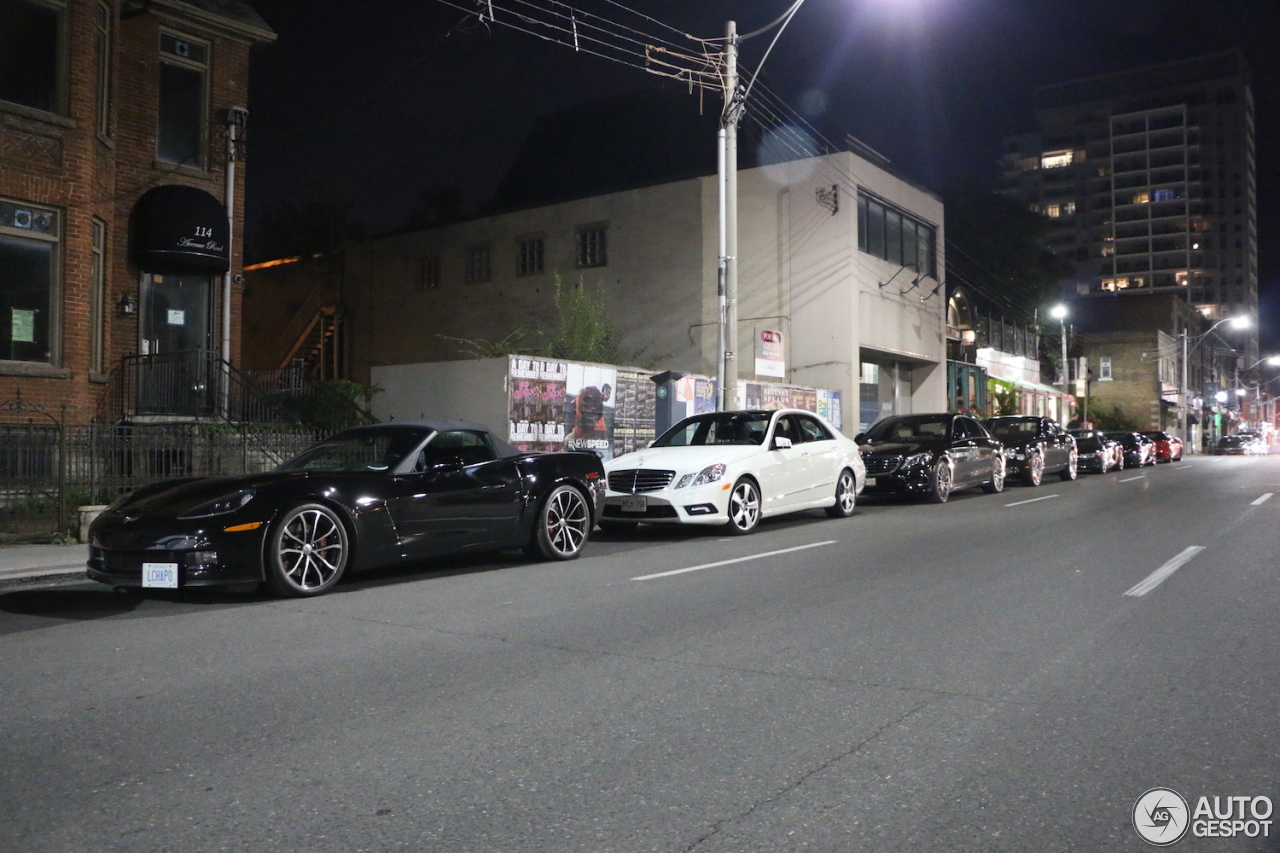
{"x": 42, "y": 561}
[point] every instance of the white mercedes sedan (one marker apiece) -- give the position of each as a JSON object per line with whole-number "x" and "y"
{"x": 734, "y": 468}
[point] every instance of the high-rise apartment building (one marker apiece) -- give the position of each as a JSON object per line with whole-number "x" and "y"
{"x": 1149, "y": 179}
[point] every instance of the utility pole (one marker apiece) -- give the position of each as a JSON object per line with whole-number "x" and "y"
{"x": 727, "y": 370}
{"x": 1186, "y": 399}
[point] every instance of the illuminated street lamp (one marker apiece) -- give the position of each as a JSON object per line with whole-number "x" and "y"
{"x": 1059, "y": 313}
{"x": 1240, "y": 321}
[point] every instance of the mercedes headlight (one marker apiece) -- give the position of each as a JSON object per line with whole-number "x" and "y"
{"x": 917, "y": 459}
{"x": 707, "y": 475}
{"x": 220, "y": 506}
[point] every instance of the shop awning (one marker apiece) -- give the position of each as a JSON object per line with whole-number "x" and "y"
{"x": 177, "y": 228}
{"x": 1023, "y": 385}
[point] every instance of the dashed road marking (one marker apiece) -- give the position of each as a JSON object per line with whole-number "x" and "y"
{"x": 1033, "y": 500}
{"x": 734, "y": 560}
{"x": 1158, "y": 577}
{"x": 1260, "y": 501}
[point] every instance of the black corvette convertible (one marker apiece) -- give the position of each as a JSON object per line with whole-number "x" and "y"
{"x": 368, "y": 496}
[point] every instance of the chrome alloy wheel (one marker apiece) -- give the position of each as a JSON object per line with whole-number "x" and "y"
{"x": 309, "y": 551}
{"x": 744, "y": 507}
{"x": 564, "y": 524}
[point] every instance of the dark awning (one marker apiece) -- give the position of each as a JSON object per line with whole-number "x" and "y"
{"x": 177, "y": 228}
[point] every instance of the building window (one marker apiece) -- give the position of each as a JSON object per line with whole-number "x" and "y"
{"x": 184, "y": 66}
{"x": 529, "y": 257}
{"x": 478, "y": 267}
{"x": 31, "y": 37}
{"x": 896, "y": 236}
{"x": 1055, "y": 159}
{"x": 429, "y": 273}
{"x": 97, "y": 295}
{"x": 593, "y": 246}
{"x": 30, "y": 256}
{"x": 102, "y": 37}
{"x": 1104, "y": 368}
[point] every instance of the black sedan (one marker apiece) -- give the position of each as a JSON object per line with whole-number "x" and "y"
{"x": 1097, "y": 452}
{"x": 1234, "y": 445}
{"x": 1035, "y": 446}
{"x": 1138, "y": 449}
{"x": 931, "y": 456}
{"x": 368, "y": 496}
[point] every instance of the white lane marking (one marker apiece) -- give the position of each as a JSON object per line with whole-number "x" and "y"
{"x": 1033, "y": 500}
{"x": 734, "y": 560}
{"x": 1157, "y": 577}
{"x": 1260, "y": 501}
{"x": 1131, "y": 479}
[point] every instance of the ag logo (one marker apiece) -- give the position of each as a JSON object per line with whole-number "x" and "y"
{"x": 1160, "y": 816}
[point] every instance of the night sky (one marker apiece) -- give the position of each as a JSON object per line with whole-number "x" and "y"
{"x": 375, "y": 101}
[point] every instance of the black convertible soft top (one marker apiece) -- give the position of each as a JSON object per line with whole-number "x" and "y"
{"x": 503, "y": 449}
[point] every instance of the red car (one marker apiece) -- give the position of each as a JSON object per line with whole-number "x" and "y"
{"x": 1168, "y": 446}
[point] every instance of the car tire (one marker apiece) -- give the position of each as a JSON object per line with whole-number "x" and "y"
{"x": 744, "y": 507}
{"x": 1033, "y": 474}
{"x": 995, "y": 485}
{"x": 846, "y": 496}
{"x": 562, "y": 525}
{"x": 1072, "y": 469}
{"x": 940, "y": 482}
{"x": 307, "y": 551}
{"x": 611, "y": 526}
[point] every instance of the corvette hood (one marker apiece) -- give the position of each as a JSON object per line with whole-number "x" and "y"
{"x": 172, "y": 497}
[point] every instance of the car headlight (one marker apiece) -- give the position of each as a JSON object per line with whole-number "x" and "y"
{"x": 917, "y": 459}
{"x": 707, "y": 475}
{"x": 220, "y": 506}
{"x": 1018, "y": 454}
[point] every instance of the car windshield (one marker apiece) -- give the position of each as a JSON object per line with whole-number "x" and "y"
{"x": 718, "y": 428}
{"x": 1015, "y": 430}
{"x": 910, "y": 428}
{"x": 1229, "y": 440}
{"x": 366, "y": 450}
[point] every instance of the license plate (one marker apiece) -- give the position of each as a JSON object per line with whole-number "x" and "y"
{"x": 634, "y": 503}
{"x": 160, "y": 575}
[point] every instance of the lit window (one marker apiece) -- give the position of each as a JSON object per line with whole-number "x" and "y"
{"x": 593, "y": 246}
{"x": 30, "y": 56}
{"x": 1053, "y": 211}
{"x": 478, "y": 269}
{"x": 529, "y": 260}
{"x": 1104, "y": 368}
{"x": 30, "y": 257}
{"x": 1056, "y": 159}
{"x": 1162, "y": 195}
{"x": 184, "y": 64}
{"x": 1140, "y": 198}
{"x": 1068, "y": 208}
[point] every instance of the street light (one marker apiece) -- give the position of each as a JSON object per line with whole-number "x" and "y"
{"x": 1059, "y": 313}
{"x": 1240, "y": 321}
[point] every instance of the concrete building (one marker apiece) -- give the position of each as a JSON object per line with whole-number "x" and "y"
{"x": 1149, "y": 179}
{"x": 114, "y": 238}
{"x": 839, "y": 257}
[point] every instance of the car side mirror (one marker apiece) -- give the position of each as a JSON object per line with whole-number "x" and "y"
{"x": 860, "y": 438}
{"x": 781, "y": 443}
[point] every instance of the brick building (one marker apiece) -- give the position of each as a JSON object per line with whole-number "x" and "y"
{"x": 115, "y": 175}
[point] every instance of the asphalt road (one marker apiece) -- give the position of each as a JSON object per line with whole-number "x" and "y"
{"x": 987, "y": 675}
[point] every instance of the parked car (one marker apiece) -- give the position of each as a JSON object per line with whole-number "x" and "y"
{"x": 1096, "y": 451}
{"x": 931, "y": 456}
{"x": 1234, "y": 445}
{"x": 365, "y": 497}
{"x": 1257, "y": 443}
{"x": 1035, "y": 446}
{"x": 1168, "y": 445}
{"x": 733, "y": 469}
{"x": 1138, "y": 449}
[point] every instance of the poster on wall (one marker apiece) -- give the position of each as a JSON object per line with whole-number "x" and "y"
{"x": 633, "y": 419}
{"x": 769, "y": 395}
{"x": 536, "y": 403}
{"x": 589, "y": 408}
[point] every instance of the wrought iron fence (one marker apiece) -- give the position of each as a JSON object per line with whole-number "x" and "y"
{"x": 48, "y": 470}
